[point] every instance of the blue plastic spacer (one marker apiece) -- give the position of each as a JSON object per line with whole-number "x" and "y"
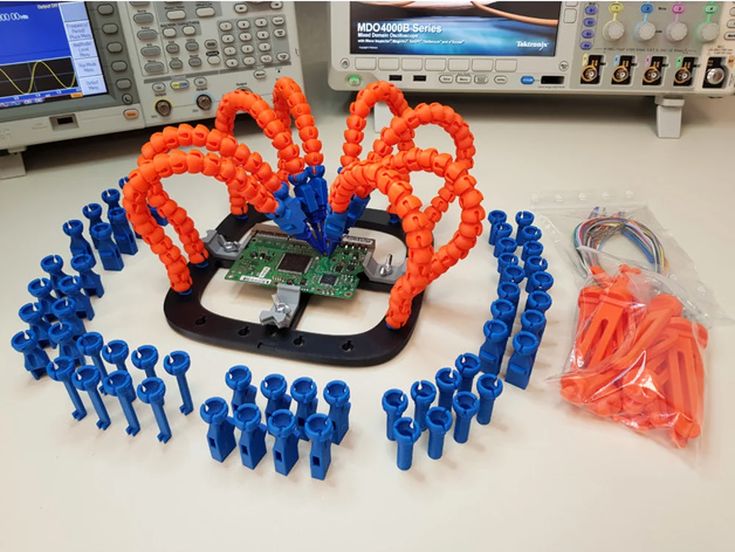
{"x": 109, "y": 251}
{"x": 539, "y": 281}
{"x": 438, "y": 421}
{"x": 520, "y": 365}
{"x": 221, "y": 433}
{"x": 406, "y": 433}
{"x": 273, "y": 387}
{"x": 35, "y": 358}
{"x": 32, "y": 314}
{"x": 87, "y": 378}
{"x": 510, "y": 291}
{"x": 528, "y": 234}
{"x": 65, "y": 309}
{"x": 531, "y": 249}
{"x": 394, "y": 403}
{"x": 62, "y": 336}
{"x": 512, "y": 273}
{"x": 111, "y": 197}
{"x": 238, "y": 379}
{"x": 176, "y": 364}
{"x": 523, "y": 219}
{"x": 495, "y": 218}
{"x": 124, "y": 237}
{"x": 502, "y": 230}
{"x": 252, "y": 437}
{"x": 465, "y": 406}
{"x": 493, "y": 349}
{"x": 91, "y": 281}
{"x": 42, "y": 290}
{"x": 71, "y": 286}
{"x": 151, "y": 391}
{"x": 119, "y": 384}
{"x": 282, "y": 425}
{"x": 303, "y": 391}
{"x": 90, "y": 344}
{"x": 145, "y": 358}
{"x": 93, "y": 213}
{"x": 62, "y": 369}
{"x": 423, "y": 394}
{"x": 468, "y": 366}
{"x": 504, "y": 310}
{"x": 489, "y": 388}
{"x": 337, "y": 396}
{"x": 335, "y": 226}
{"x": 320, "y": 431}
{"x": 535, "y": 264}
{"x": 504, "y": 245}
{"x": 53, "y": 265}
{"x": 447, "y": 381}
{"x": 538, "y": 300}
{"x": 116, "y": 352}
{"x": 505, "y": 260}
{"x": 534, "y": 322}
{"x": 78, "y": 246}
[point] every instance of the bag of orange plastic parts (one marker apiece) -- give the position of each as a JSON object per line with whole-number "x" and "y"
{"x": 637, "y": 358}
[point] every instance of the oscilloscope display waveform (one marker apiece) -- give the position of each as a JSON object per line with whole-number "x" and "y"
{"x": 38, "y": 76}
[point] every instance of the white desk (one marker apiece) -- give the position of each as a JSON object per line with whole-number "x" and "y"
{"x": 542, "y": 476}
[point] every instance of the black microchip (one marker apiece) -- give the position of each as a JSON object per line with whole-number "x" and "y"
{"x": 328, "y": 279}
{"x": 294, "y": 262}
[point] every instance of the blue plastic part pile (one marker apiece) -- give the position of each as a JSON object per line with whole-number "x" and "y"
{"x": 285, "y": 426}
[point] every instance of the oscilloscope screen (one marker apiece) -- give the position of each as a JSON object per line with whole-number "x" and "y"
{"x": 47, "y": 52}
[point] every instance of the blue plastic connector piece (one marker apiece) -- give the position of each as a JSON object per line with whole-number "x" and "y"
{"x": 524, "y": 219}
{"x": 493, "y": 349}
{"x": 119, "y": 384}
{"x": 466, "y": 406}
{"x": 176, "y": 364}
{"x": 78, "y": 246}
{"x": 447, "y": 381}
{"x": 35, "y": 358}
{"x": 337, "y": 396}
{"x": 62, "y": 369}
{"x": 93, "y": 213}
{"x": 282, "y": 425}
{"x": 273, "y": 387}
{"x": 512, "y": 273}
{"x": 505, "y": 260}
{"x": 42, "y": 290}
{"x": 495, "y": 218}
{"x": 528, "y": 234}
{"x": 221, "y": 433}
{"x": 108, "y": 250}
{"x": 32, "y": 314}
{"x": 510, "y": 291}
{"x": 335, "y": 227}
{"x": 534, "y": 322}
{"x": 520, "y": 365}
{"x": 502, "y": 309}
{"x": 290, "y": 217}
{"x": 91, "y": 281}
{"x": 504, "y": 245}
{"x": 320, "y": 431}
{"x": 53, "y": 265}
{"x": 538, "y": 300}
{"x": 111, "y": 197}
{"x": 252, "y": 437}
{"x": 468, "y": 366}
{"x": 90, "y": 345}
{"x": 151, "y": 391}
{"x": 502, "y": 230}
{"x": 62, "y": 336}
{"x": 423, "y": 394}
{"x": 116, "y": 352}
{"x": 535, "y": 264}
{"x": 489, "y": 387}
{"x": 124, "y": 237}
{"x": 394, "y": 403}
{"x": 87, "y": 378}
{"x": 238, "y": 379}
{"x": 438, "y": 422}
{"x": 145, "y": 358}
{"x": 71, "y": 286}
{"x": 539, "y": 281}
{"x": 531, "y": 249}
{"x": 303, "y": 391}
{"x": 65, "y": 310}
{"x": 406, "y": 433}
{"x": 356, "y": 209}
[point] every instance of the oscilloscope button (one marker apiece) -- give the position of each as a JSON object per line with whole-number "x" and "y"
{"x": 154, "y": 67}
{"x": 482, "y": 65}
{"x": 231, "y": 63}
{"x": 266, "y": 59}
{"x": 207, "y": 11}
{"x": 159, "y": 88}
{"x": 110, "y": 28}
{"x": 189, "y": 30}
{"x": 119, "y": 66}
{"x": 127, "y": 99}
{"x": 145, "y": 18}
{"x": 169, "y": 32}
{"x": 278, "y": 20}
{"x": 191, "y": 45}
{"x": 433, "y": 64}
{"x": 229, "y": 50}
{"x": 225, "y": 26}
{"x": 123, "y": 84}
{"x": 195, "y": 61}
{"x": 459, "y": 65}
{"x": 247, "y": 48}
{"x": 114, "y": 47}
{"x": 506, "y": 65}
{"x": 172, "y": 48}
{"x": 213, "y": 60}
{"x": 276, "y": 5}
{"x": 176, "y": 15}
{"x": 282, "y": 56}
{"x": 241, "y": 7}
{"x": 176, "y": 64}
{"x": 261, "y": 22}
{"x": 131, "y": 114}
{"x": 105, "y": 9}
{"x": 147, "y": 35}
{"x": 260, "y": 74}
{"x": 279, "y": 33}
{"x": 210, "y": 44}
{"x": 249, "y": 60}
{"x": 150, "y": 51}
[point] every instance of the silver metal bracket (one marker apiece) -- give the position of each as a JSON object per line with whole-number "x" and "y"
{"x": 668, "y": 116}
{"x": 219, "y": 247}
{"x": 286, "y": 301}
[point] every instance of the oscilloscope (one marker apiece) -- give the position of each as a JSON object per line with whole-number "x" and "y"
{"x": 76, "y": 69}
{"x": 669, "y": 50}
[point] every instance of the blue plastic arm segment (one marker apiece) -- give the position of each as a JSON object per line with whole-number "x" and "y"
{"x": 221, "y": 433}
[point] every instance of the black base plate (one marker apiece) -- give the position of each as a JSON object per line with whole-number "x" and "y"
{"x": 186, "y": 315}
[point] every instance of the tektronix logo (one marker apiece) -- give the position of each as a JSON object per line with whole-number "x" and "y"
{"x": 538, "y": 44}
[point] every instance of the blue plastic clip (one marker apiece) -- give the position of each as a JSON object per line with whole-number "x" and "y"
{"x": 109, "y": 252}
{"x": 394, "y": 403}
{"x": 116, "y": 352}
{"x": 90, "y": 345}
{"x": 65, "y": 309}
{"x": 53, "y": 265}
{"x": 62, "y": 369}
{"x": 510, "y": 291}
{"x": 466, "y": 406}
{"x": 78, "y": 246}
{"x": 539, "y": 281}
{"x": 447, "y": 381}
{"x": 468, "y": 366}
{"x": 221, "y": 433}
{"x": 504, "y": 245}
{"x": 35, "y": 358}
{"x": 335, "y": 227}
{"x": 520, "y": 365}
{"x": 531, "y": 249}
{"x": 290, "y": 217}
{"x": 423, "y": 394}
{"x": 505, "y": 260}
{"x": 492, "y": 350}
{"x": 238, "y": 379}
{"x": 406, "y": 433}
{"x": 524, "y": 219}
{"x": 495, "y": 218}
{"x": 91, "y": 281}
{"x": 119, "y": 384}
{"x": 534, "y": 322}
{"x": 87, "y": 378}
{"x": 62, "y": 336}
{"x": 111, "y": 197}
{"x": 320, "y": 431}
{"x": 93, "y": 213}
{"x": 124, "y": 236}
{"x": 151, "y": 391}
{"x": 273, "y": 388}
{"x": 502, "y": 309}
{"x": 303, "y": 391}
{"x": 502, "y": 230}
{"x": 538, "y": 300}
{"x": 176, "y": 364}
{"x": 282, "y": 425}
{"x": 489, "y": 387}
{"x": 535, "y": 264}
{"x": 42, "y": 290}
{"x": 145, "y": 358}
{"x": 512, "y": 273}
{"x": 337, "y": 396}
{"x": 32, "y": 314}
{"x": 252, "y": 439}
{"x": 438, "y": 421}
{"x": 528, "y": 234}
{"x": 71, "y": 286}
{"x": 356, "y": 209}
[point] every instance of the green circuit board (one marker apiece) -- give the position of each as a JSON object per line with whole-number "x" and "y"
{"x": 271, "y": 258}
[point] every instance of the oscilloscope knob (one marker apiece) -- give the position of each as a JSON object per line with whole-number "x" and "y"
{"x": 676, "y": 31}
{"x": 613, "y": 30}
{"x": 645, "y": 31}
{"x": 707, "y": 32}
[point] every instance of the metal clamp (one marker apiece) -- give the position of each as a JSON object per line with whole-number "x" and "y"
{"x": 285, "y": 305}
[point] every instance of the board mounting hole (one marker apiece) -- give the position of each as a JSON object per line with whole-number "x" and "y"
{"x": 200, "y": 321}
{"x": 348, "y": 346}
{"x": 299, "y": 341}
{"x": 245, "y": 330}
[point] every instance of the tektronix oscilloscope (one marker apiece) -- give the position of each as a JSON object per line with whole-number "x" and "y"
{"x": 77, "y": 69}
{"x": 664, "y": 49}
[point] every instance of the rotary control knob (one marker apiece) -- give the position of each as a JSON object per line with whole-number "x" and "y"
{"x": 645, "y": 31}
{"x": 677, "y": 31}
{"x": 613, "y": 30}
{"x": 708, "y": 31}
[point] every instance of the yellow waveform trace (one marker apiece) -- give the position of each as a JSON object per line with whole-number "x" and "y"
{"x": 33, "y": 78}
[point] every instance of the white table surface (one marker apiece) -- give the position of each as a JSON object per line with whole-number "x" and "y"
{"x": 542, "y": 476}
